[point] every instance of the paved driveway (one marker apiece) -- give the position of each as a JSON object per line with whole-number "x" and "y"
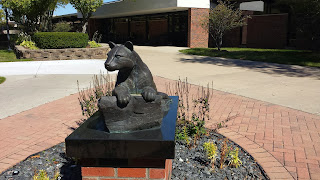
{"x": 30, "y": 84}
{"x": 291, "y": 86}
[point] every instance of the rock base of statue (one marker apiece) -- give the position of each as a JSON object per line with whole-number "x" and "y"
{"x": 137, "y": 115}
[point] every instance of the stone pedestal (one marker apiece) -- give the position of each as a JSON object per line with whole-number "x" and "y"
{"x": 143, "y": 154}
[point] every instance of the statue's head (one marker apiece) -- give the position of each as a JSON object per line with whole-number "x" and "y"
{"x": 120, "y": 57}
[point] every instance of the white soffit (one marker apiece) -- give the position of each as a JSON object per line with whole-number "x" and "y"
{"x": 252, "y": 6}
{"x": 194, "y": 3}
{"x": 140, "y": 7}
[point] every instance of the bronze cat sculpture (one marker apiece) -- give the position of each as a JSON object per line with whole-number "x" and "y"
{"x": 134, "y": 77}
{"x": 125, "y": 111}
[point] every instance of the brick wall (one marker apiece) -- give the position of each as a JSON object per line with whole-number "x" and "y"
{"x": 197, "y": 36}
{"x": 108, "y": 173}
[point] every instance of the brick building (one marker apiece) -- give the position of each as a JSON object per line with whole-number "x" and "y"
{"x": 178, "y": 23}
{"x": 152, "y": 22}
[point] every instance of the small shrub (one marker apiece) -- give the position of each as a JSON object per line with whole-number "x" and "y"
{"x": 97, "y": 37}
{"x": 22, "y": 37}
{"x": 93, "y": 44}
{"x": 29, "y": 45}
{"x": 224, "y": 152}
{"x": 183, "y": 135}
{"x": 42, "y": 175}
{"x": 2, "y": 79}
{"x": 88, "y": 98}
{"x": 234, "y": 160}
{"x": 193, "y": 116}
{"x": 62, "y": 27}
{"x": 59, "y": 40}
{"x": 211, "y": 150}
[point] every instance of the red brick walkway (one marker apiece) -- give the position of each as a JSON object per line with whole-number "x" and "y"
{"x": 282, "y": 140}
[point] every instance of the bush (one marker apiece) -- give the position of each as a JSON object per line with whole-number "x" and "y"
{"x": 29, "y": 45}
{"x": 60, "y": 40}
{"x": 93, "y": 44}
{"x": 62, "y": 27}
{"x": 22, "y": 37}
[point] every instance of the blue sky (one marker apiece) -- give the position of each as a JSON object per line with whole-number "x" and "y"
{"x": 68, "y": 9}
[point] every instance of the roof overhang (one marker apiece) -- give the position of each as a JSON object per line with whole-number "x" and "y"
{"x": 139, "y": 7}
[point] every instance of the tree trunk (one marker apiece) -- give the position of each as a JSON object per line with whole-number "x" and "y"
{"x": 8, "y": 30}
{"x": 220, "y": 42}
{"x": 84, "y": 27}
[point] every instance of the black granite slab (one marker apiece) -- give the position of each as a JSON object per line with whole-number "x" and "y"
{"x": 94, "y": 146}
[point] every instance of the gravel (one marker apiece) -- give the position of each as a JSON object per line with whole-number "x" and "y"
{"x": 188, "y": 164}
{"x": 193, "y": 163}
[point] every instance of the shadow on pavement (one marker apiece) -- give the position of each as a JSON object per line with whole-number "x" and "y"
{"x": 263, "y": 67}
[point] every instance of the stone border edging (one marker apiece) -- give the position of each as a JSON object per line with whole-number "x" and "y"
{"x": 61, "y": 54}
{"x": 272, "y": 167}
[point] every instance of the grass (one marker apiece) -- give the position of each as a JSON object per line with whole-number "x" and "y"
{"x": 9, "y": 56}
{"x": 281, "y": 56}
{"x": 2, "y": 79}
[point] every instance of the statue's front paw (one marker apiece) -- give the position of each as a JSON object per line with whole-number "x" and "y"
{"x": 123, "y": 99}
{"x": 149, "y": 94}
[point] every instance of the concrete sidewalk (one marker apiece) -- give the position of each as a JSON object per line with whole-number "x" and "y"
{"x": 33, "y": 83}
{"x": 287, "y": 85}
{"x": 91, "y": 66}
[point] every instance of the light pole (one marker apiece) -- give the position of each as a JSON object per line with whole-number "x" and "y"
{"x": 8, "y": 31}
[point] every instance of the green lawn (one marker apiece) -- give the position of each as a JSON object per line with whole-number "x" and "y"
{"x": 9, "y": 56}
{"x": 2, "y": 79}
{"x": 281, "y": 56}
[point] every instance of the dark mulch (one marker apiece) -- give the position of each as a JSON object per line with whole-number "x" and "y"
{"x": 188, "y": 164}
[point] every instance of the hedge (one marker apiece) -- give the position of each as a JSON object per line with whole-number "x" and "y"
{"x": 60, "y": 40}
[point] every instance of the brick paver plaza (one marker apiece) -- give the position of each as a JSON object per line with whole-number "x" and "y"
{"x": 284, "y": 141}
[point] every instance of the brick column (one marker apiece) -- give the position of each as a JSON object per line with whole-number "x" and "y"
{"x": 108, "y": 173}
{"x": 197, "y": 36}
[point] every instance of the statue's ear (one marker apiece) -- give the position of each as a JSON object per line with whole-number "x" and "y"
{"x": 129, "y": 45}
{"x": 112, "y": 44}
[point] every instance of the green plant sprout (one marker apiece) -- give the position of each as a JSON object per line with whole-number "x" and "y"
{"x": 211, "y": 150}
{"x": 42, "y": 175}
{"x": 224, "y": 152}
{"x": 234, "y": 158}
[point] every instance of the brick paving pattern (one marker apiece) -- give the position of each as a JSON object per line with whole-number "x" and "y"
{"x": 284, "y": 141}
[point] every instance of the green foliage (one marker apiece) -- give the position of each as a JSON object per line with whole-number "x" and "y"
{"x": 42, "y": 175}
{"x": 2, "y": 17}
{"x": 191, "y": 118}
{"x": 211, "y": 150}
{"x": 86, "y": 8}
{"x": 183, "y": 135}
{"x": 22, "y": 37}
{"x": 93, "y": 44}
{"x": 59, "y": 40}
{"x": 221, "y": 19}
{"x": 33, "y": 14}
{"x": 29, "y": 45}
{"x": 88, "y": 98}
{"x": 62, "y": 27}
{"x": 234, "y": 160}
{"x": 2, "y": 79}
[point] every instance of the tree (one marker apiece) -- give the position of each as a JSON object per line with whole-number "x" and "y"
{"x": 221, "y": 19}
{"x": 33, "y": 14}
{"x": 305, "y": 17}
{"x": 86, "y": 8}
